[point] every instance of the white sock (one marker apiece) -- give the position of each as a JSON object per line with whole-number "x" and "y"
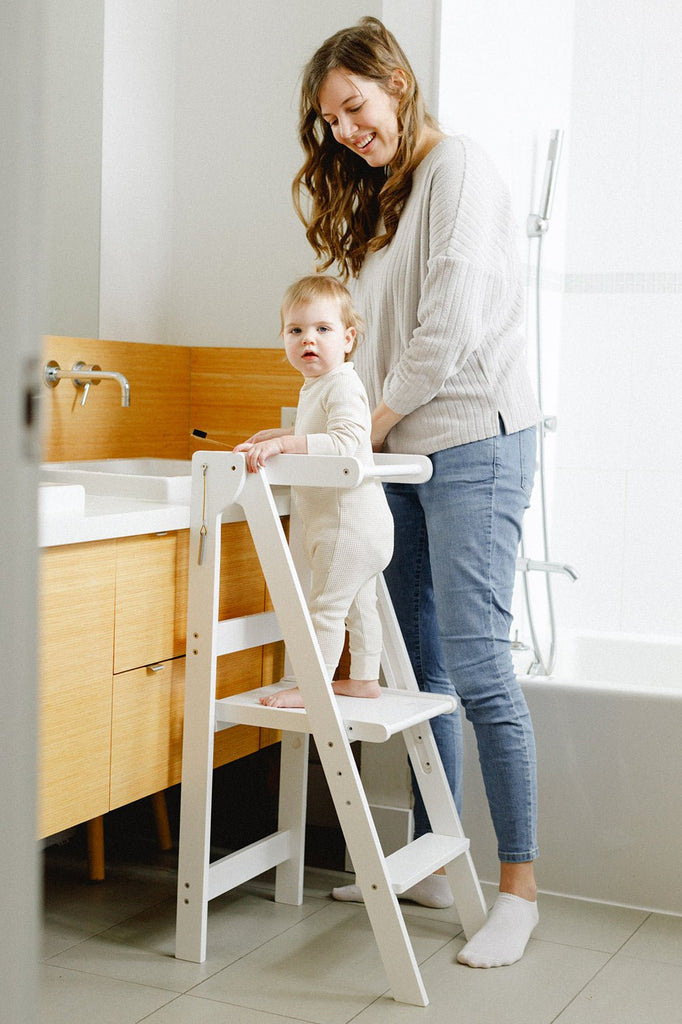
{"x": 503, "y": 938}
{"x": 432, "y": 891}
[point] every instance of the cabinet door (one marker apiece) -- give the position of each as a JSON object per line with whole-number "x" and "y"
{"x": 76, "y": 652}
{"x": 146, "y": 601}
{"x": 146, "y": 730}
{"x": 151, "y": 592}
{"x": 151, "y": 613}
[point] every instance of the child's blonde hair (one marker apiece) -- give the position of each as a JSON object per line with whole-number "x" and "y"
{"x": 319, "y": 286}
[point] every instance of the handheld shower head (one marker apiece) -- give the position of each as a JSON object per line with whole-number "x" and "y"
{"x": 551, "y": 169}
{"x": 538, "y": 223}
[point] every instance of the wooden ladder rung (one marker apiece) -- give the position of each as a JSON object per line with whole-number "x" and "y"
{"x": 422, "y": 857}
{"x": 373, "y": 721}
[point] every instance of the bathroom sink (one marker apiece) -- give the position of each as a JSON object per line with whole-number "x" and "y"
{"x": 60, "y": 499}
{"x": 167, "y": 480}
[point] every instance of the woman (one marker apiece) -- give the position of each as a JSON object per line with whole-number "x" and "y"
{"x": 420, "y": 226}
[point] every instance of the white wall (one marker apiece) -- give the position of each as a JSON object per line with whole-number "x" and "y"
{"x": 198, "y": 130}
{"x": 619, "y": 487}
{"x": 419, "y": 38}
{"x": 505, "y": 80}
{"x": 138, "y": 111}
{"x": 609, "y": 74}
{"x": 71, "y": 75}
{"x": 199, "y": 236}
{"x": 237, "y": 241}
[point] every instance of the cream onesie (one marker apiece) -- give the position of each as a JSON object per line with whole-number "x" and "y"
{"x": 347, "y": 532}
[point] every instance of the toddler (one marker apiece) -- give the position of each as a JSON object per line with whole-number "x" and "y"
{"x": 347, "y": 533}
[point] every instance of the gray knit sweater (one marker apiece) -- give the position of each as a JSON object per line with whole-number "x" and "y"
{"x": 443, "y": 305}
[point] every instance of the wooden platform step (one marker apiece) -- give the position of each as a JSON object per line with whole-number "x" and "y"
{"x": 374, "y": 721}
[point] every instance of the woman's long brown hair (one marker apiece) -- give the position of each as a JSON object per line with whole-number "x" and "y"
{"x": 347, "y": 197}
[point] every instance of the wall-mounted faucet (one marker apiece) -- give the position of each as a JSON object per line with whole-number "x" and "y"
{"x": 83, "y": 376}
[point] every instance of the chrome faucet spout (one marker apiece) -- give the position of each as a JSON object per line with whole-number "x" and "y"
{"x": 83, "y": 376}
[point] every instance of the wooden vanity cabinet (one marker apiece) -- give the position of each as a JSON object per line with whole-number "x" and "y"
{"x": 77, "y": 594}
{"x": 130, "y": 598}
{"x": 151, "y": 581}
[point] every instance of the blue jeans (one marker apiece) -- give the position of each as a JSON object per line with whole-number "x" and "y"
{"x": 451, "y": 581}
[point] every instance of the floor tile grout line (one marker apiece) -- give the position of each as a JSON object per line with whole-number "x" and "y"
{"x": 599, "y": 971}
{"x": 295, "y": 925}
{"x": 194, "y": 985}
{"x": 104, "y": 929}
{"x": 317, "y": 901}
{"x": 242, "y": 956}
{"x": 148, "y": 1016}
{"x": 583, "y": 987}
{"x": 236, "y": 1006}
{"x": 108, "y": 977}
{"x": 270, "y": 1013}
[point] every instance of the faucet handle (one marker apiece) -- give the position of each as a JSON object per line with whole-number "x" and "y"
{"x": 85, "y": 384}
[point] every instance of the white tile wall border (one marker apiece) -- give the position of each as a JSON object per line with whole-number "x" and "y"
{"x": 666, "y": 282}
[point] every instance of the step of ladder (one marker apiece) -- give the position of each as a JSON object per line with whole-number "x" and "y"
{"x": 371, "y": 720}
{"x": 422, "y": 857}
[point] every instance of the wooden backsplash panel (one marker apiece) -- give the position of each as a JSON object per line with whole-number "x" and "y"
{"x": 237, "y": 391}
{"x": 155, "y": 424}
{"x": 228, "y": 392}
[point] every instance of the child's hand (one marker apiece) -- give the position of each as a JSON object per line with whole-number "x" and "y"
{"x": 257, "y": 454}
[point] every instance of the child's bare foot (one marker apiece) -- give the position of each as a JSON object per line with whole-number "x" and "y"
{"x": 356, "y": 687}
{"x": 284, "y": 699}
{"x": 341, "y": 687}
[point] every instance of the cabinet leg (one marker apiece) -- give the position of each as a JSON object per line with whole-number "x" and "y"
{"x": 160, "y": 808}
{"x": 95, "y": 832}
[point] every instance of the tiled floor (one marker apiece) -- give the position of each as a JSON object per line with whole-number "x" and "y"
{"x": 108, "y": 959}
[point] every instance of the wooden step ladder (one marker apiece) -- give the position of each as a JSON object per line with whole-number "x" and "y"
{"x": 222, "y": 487}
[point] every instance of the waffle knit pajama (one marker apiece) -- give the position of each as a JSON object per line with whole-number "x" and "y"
{"x": 347, "y": 533}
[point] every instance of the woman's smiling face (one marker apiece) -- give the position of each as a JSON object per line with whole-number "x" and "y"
{"x": 362, "y": 115}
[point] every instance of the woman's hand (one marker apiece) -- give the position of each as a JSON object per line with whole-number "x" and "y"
{"x": 266, "y": 435}
{"x": 383, "y": 420}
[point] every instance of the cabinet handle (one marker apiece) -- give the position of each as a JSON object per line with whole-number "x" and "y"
{"x": 155, "y": 668}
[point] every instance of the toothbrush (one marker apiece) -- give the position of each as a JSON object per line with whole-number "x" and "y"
{"x": 209, "y": 440}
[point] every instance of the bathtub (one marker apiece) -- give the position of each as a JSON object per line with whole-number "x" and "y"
{"x": 608, "y": 729}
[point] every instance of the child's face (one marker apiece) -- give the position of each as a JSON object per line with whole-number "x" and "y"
{"x": 315, "y": 339}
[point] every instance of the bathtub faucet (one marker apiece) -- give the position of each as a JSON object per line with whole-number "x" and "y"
{"x": 83, "y": 376}
{"x": 530, "y": 565}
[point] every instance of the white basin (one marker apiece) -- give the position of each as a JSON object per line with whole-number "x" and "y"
{"x": 61, "y": 499}
{"x": 167, "y": 480}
